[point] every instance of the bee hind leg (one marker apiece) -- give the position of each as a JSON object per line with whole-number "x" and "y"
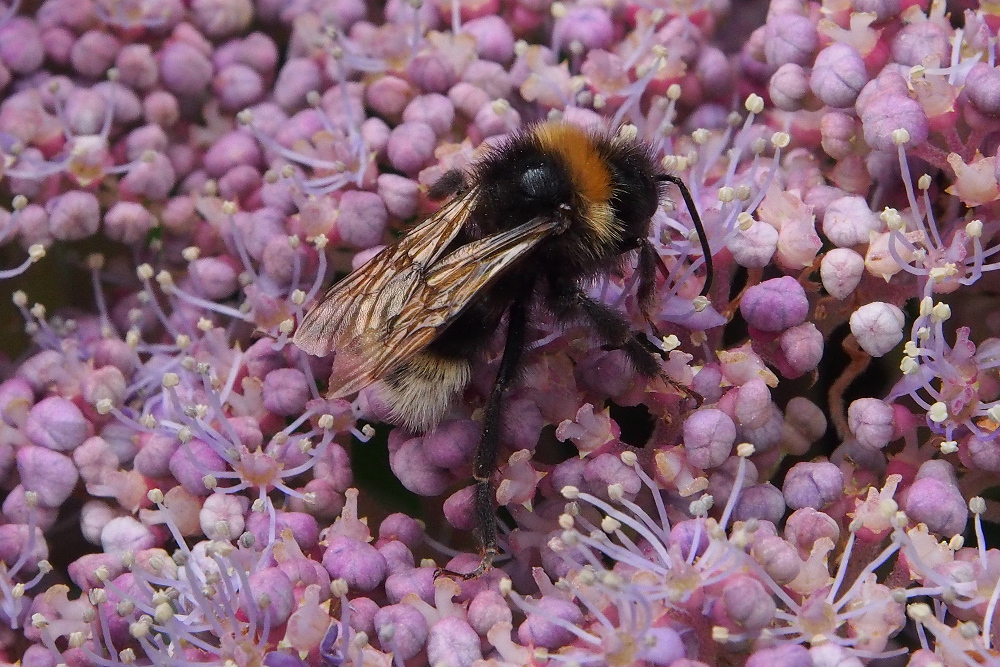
{"x": 485, "y": 461}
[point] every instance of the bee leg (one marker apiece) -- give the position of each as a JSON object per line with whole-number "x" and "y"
{"x": 485, "y": 461}
{"x": 647, "y": 265}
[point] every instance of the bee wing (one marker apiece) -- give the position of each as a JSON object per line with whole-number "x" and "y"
{"x": 367, "y": 298}
{"x": 436, "y": 299}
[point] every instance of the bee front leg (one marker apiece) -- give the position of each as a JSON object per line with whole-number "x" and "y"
{"x": 485, "y": 461}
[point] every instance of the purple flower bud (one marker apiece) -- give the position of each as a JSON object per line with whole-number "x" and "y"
{"x": 410, "y": 465}
{"x": 74, "y": 215}
{"x": 16, "y": 398}
{"x": 789, "y": 38}
{"x": 357, "y": 562}
{"x": 124, "y": 533}
{"x": 775, "y": 305}
{"x": 538, "y": 630}
{"x": 664, "y": 646}
{"x": 153, "y": 458}
{"x": 56, "y": 44}
{"x": 494, "y": 38}
{"x": 283, "y": 659}
{"x": 286, "y": 391}
{"x": 937, "y": 503}
{"x": 838, "y": 75}
{"x": 271, "y": 594}
{"x": 452, "y": 443}
{"x": 496, "y": 119}
{"x": 191, "y": 462}
{"x": 401, "y": 629}
{"x": 683, "y": 534}
{"x": 982, "y": 85}
{"x": 16, "y": 510}
{"x": 94, "y": 52}
{"x": 591, "y": 27}
{"x": 982, "y": 453}
{"x": 15, "y": 538}
{"x": 885, "y": 114}
{"x": 747, "y": 603}
{"x": 760, "y": 501}
{"x": 783, "y": 655}
{"x": 489, "y": 77}
{"x": 388, "y": 96}
{"x": 222, "y": 516}
{"x": 709, "y": 436}
{"x": 411, "y": 147}
{"x": 297, "y": 78}
{"x": 433, "y": 109}
{"x": 397, "y": 556}
{"x": 417, "y": 581}
{"x": 57, "y": 423}
{"x": 222, "y": 18}
{"x": 215, "y": 277}
{"x": 304, "y": 527}
{"x": 921, "y": 42}
{"x": 608, "y": 469}
{"x": 184, "y": 70}
{"x": 814, "y": 485}
{"x": 362, "y": 218}
{"x": 778, "y": 558}
{"x": 237, "y": 86}
{"x": 878, "y": 327}
{"x": 872, "y": 422}
{"x": 802, "y": 347}
{"x": 468, "y": 98}
{"x": 37, "y": 655}
{"x": 21, "y": 47}
{"x": 807, "y": 525}
{"x": 841, "y": 270}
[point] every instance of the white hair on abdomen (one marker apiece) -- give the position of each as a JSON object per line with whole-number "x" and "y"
{"x": 419, "y": 391}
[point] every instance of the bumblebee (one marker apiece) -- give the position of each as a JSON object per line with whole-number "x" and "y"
{"x": 537, "y": 219}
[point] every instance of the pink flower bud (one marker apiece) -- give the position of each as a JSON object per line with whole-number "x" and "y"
{"x": 838, "y": 75}
{"x": 410, "y": 465}
{"x": 402, "y": 630}
{"x": 191, "y": 462}
{"x": 790, "y": 38}
{"x": 494, "y": 38}
{"x": 468, "y": 98}
{"x": 937, "y": 503}
{"x": 775, "y": 305}
{"x": 883, "y": 9}
{"x": 417, "y": 581}
{"x": 709, "y": 435}
{"x": 411, "y": 147}
{"x": 921, "y": 42}
{"x": 747, "y": 603}
{"x": 754, "y": 247}
{"x": 222, "y": 18}
{"x": 58, "y": 424}
{"x": 94, "y": 52}
{"x": 778, "y": 558}
{"x": 124, "y": 533}
{"x": 161, "y": 108}
{"x": 184, "y": 70}
{"x": 231, "y": 150}
{"x": 788, "y": 87}
{"x": 402, "y": 528}
{"x": 841, "y": 270}
{"x": 304, "y": 527}
{"x": 21, "y": 46}
{"x": 137, "y": 67}
{"x": 802, "y": 347}
{"x": 297, "y": 78}
{"x": 271, "y": 595}
{"x": 106, "y": 383}
{"x": 16, "y": 538}
{"x": 591, "y": 27}
{"x": 452, "y": 443}
{"x": 760, "y": 501}
{"x": 810, "y": 484}
{"x": 237, "y": 86}
{"x": 214, "y": 277}
{"x": 74, "y": 215}
{"x": 362, "y": 219}
{"x": 489, "y": 77}
{"x": 982, "y": 85}
{"x": 849, "y": 222}
{"x": 128, "y": 222}
{"x": 782, "y": 655}
{"x": 433, "y": 109}
{"x": 878, "y": 327}
{"x": 16, "y": 398}
{"x": 400, "y": 195}
{"x": 50, "y": 474}
{"x": 357, "y": 562}
{"x": 432, "y": 71}
{"x": 153, "y": 180}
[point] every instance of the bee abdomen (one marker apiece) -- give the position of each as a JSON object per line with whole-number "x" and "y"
{"x": 419, "y": 391}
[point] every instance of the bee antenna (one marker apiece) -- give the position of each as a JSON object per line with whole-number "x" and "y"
{"x": 700, "y": 228}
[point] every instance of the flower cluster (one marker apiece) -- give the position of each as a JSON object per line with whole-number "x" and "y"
{"x": 807, "y": 483}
